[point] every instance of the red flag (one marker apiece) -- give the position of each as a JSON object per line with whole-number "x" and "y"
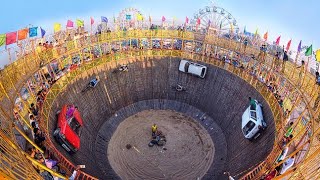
{"x": 278, "y": 40}
{"x": 69, "y": 23}
{"x": 23, "y": 33}
{"x": 91, "y": 20}
{"x": 198, "y": 21}
{"x": 265, "y": 36}
{"x": 11, "y": 38}
{"x": 288, "y": 45}
{"x": 163, "y": 18}
{"x": 187, "y": 20}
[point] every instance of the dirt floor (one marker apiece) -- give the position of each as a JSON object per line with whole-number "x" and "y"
{"x": 187, "y": 154}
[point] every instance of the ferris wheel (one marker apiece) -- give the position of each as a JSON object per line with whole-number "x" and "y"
{"x": 216, "y": 18}
{"x": 130, "y": 17}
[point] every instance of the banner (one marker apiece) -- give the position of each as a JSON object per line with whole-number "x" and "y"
{"x": 11, "y": 37}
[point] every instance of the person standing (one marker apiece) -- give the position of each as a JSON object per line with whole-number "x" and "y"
{"x": 284, "y": 59}
{"x": 301, "y": 73}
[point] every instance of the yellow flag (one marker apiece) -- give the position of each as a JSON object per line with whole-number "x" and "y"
{"x": 256, "y": 33}
{"x": 318, "y": 55}
{"x": 56, "y": 27}
{"x": 139, "y": 17}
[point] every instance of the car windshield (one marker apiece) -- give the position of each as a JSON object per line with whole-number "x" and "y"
{"x": 253, "y": 115}
{"x": 186, "y": 67}
{"x": 74, "y": 125}
{"x": 248, "y": 127}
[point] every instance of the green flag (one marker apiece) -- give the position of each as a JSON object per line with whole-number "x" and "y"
{"x": 79, "y": 22}
{"x": 2, "y": 39}
{"x": 308, "y": 51}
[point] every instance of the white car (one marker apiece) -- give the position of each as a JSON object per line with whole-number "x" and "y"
{"x": 253, "y": 122}
{"x": 193, "y": 68}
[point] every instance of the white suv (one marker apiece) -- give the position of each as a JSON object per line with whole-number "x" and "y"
{"x": 253, "y": 122}
{"x": 193, "y": 68}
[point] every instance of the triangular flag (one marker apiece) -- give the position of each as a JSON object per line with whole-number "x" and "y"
{"x": 91, "y": 20}
{"x": 308, "y": 51}
{"x": 69, "y": 23}
{"x": 299, "y": 47}
{"x": 163, "y": 19}
{"x": 56, "y": 27}
{"x": 104, "y": 19}
{"x": 288, "y": 45}
{"x": 80, "y": 23}
{"x": 278, "y": 40}
{"x": 23, "y": 34}
{"x": 33, "y": 31}
{"x": 11, "y": 37}
{"x": 198, "y": 21}
{"x": 2, "y": 39}
{"x": 317, "y": 55}
{"x": 187, "y": 20}
{"x": 43, "y": 32}
{"x": 265, "y": 36}
{"x": 256, "y": 32}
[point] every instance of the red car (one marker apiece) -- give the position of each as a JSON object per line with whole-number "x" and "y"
{"x": 69, "y": 127}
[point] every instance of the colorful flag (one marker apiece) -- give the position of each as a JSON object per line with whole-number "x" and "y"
{"x": 163, "y": 19}
{"x": 91, "y": 20}
{"x": 104, "y": 19}
{"x": 139, "y": 17}
{"x": 2, "y": 39}
{"x": 299, "y": 47}
{"x": 265, "y": 36}
{"x": 33, "y": 31}
{"x": 308, "y": 51}
{"x": 318, "y": 55}
{"x": 57, "y": 27}
{"x": 278, "y": 40}
{"x": 256, "y": 33}
{"x": 128, "y": 17}
{"x": 288, "y": 45}
{"x": 11, "y": 37}
{"x": 198, "y": 21}
{"x": 187, "y": 20}
{"x": 43, "y": 32}
{"x": 69, "y": 23}
{"x": 80, "y": 23}
{"x": 23, "y": 34}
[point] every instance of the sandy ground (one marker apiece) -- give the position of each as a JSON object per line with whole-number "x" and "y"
{"x": 189, "y": 149}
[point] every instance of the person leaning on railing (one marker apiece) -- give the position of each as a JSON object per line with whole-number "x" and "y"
{"x": 316, "y": 103}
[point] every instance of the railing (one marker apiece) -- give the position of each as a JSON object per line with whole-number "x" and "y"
{"x": 13, "y": 76}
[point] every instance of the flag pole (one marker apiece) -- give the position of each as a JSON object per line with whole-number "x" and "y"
{"x": 295, "y": 62}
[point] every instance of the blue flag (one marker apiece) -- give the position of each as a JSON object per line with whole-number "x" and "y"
{"x": 104, "y": 19}
{"x": 128, "y": 17}
{"x": 43, "y": 32}
{"x": 33, "y": 31}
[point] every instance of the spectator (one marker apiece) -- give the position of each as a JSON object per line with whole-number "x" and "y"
{"x": 33, "y": 109}
{"x": 38, "y": 137}
{"x": 302, "y": 70}
{"x": 284, "y": 59}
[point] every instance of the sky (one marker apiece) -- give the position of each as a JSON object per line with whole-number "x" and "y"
{"x": 292, "y": 19}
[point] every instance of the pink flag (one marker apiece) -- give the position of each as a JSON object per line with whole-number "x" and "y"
{"x": 163, "y": 18}
{"x": 198, "y": 21}
{"x": 288, "y": 45}
{"x": 11, "y": 38}
{"x": 278, "y": 40}
{"x": 91, "y": 20}
{"x": 187, "y": 20}
{"x": 69, "y": 23}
